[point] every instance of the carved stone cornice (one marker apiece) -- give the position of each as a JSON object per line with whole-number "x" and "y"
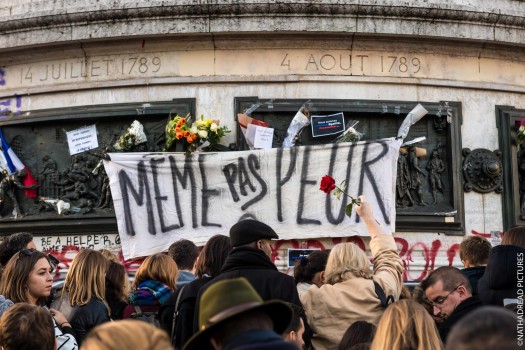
{"x": 76, "y": 22}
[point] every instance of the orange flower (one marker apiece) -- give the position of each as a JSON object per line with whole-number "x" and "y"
{"x": 189, "y": 139}
{"x": 186, "y": 133}
{"x": 179, "y": 135}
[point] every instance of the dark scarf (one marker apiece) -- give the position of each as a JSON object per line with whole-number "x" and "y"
{"x": 247, "y": 258}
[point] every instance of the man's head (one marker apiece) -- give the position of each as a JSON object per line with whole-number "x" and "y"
{"x": 294, "y": 332}
{"x": 15, "y": 243}
{"x": 445, "y": 288}
{"x": 231, "y": 307}
{"x": 474, "y": 251}
{"x": 184, "y": 253}
{"x": 26, "y": 326}
{"x": 253, "y": 233}
{"x": 488, "y": 327}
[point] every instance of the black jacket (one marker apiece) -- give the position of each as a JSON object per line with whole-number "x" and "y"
{"x": 184, "y": 325}
{"x": 461, "y": 310}
{"x": 86, "y": 317}
{"x": 500, "y": 280}
{"x": 258, "y": 269}
{"x": 474, "y": 274}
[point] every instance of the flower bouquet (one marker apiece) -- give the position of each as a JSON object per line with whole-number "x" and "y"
{"x": 133, "y": 136}
{"x": 350, "y": 134}
{"x": 203, "y": 134}
{"x": 328, "y": 186}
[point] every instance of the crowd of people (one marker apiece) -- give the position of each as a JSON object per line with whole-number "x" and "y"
{"x": 230, "y": 295}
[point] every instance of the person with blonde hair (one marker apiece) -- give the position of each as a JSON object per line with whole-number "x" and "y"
{"x": 155, "y": 281}
{"x": 28, "y": 278}
{"x": 406, "y": 325}
{"x": 108, "y": 254}
{"x": 127, "y": 334}
{"x": 27, "y": 327}
{"x": 85, "y": 285}
{"x": 349, "y": 293}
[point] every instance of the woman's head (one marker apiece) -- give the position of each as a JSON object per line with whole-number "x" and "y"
{"x": 26, "y": 326}
{"x": 126, "y": 334}
{"x": 117, "y": 280}
{"x": 346, "y": 260}
{"x": 158, "y": 267}
{"x": 308, "y": 269}
{"x": 109, "y": 255}
{"x": 359, "y": 332}
{"x": 27, "y": 277}
{"x": 86, "y": 277}
{"x": 406, "y": 325}
{"x": 213, "y": 255}
{"x": 514, "y": 236}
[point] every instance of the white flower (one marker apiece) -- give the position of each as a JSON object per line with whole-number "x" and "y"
{"x": 214, "y": 127}
{"x": 201, "y": 123}
{"x": 203, "y": 134}
{"x": 193, "y": 129}
{"x": 138, "y": 130}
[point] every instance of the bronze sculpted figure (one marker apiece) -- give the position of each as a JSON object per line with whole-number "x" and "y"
{"x": 403, "y": 182}
{"x": 435, "y": 167}
{"x": 416, "y": 173}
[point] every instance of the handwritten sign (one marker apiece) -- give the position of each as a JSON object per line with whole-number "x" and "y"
{"x": 83, "y": 139}
{"x": 263, "y": 137}
{"x": 324, "y": 125}
{"x": 163, "y": 197}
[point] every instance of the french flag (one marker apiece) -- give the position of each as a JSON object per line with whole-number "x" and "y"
{"x": 14, "y": 164}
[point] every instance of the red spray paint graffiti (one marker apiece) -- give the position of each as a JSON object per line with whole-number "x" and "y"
{"x": 421, "y": 253}
{"x": 406, "y": 252}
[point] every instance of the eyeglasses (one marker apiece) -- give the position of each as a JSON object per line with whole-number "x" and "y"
{"x": 440, "y": 300}
{"x": 53, "y": 261}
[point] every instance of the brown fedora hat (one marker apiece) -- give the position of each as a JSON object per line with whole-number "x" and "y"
{"x": 232, "y": 297}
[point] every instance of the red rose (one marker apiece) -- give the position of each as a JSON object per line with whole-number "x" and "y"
{"x": 327, "y": 184}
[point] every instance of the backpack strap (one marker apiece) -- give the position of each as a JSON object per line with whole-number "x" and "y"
{"x": 175, "y": 314}
{"x": 385, "y": 301}
{"x": 138, "y": 311}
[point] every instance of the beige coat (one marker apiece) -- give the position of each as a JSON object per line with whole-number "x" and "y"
{"x": 331, "y": 309}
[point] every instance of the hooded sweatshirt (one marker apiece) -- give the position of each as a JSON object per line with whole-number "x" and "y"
{"x": 4, "y": 304}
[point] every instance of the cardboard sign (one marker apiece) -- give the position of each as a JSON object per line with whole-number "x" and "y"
{"x": 324, "y": 125}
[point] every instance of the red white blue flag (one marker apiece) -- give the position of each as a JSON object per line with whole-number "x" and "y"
{"x": 13, "y": 164}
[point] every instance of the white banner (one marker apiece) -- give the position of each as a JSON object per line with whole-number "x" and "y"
{"x": 162, "y": 197}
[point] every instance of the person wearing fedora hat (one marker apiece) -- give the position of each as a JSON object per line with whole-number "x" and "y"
{"x": 234, "y": 316}
{"x": 251, "y": 258}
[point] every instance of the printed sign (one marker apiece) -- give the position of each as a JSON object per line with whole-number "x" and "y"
{"x": 162, "y": 197}
{"x": 296, "y": 254}
{"x": 83, "y": 139}
{"x": 324, "y": 125}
